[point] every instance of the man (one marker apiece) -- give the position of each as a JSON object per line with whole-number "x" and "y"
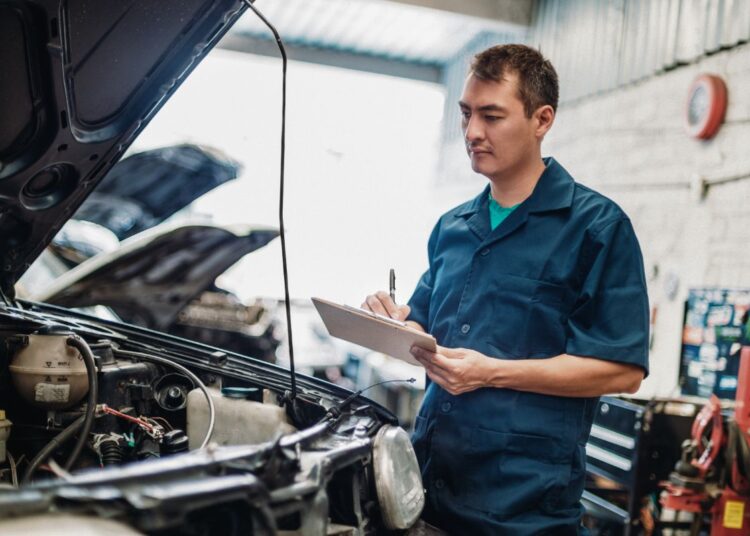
{"x": 536, "y": 295}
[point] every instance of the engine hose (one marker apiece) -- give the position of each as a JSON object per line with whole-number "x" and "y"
{"x": 111, "y": 452}
{"x": 50, "y": 447}
{"x": 88, "y": 358}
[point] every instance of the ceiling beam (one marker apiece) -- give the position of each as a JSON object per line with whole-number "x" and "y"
{"x": 335, "y": 58}
{"x": 508, "y": 11}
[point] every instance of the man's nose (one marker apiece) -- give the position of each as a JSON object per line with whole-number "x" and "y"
{"x": 473, "y": 131}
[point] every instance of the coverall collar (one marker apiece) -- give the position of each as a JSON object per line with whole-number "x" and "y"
{"x": 553, "y": 191}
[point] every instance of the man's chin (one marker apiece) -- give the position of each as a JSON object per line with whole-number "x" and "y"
{"x": 482, "y": 170}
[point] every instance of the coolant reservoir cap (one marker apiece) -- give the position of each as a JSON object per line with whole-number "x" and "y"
{"x": 239, "y": 392}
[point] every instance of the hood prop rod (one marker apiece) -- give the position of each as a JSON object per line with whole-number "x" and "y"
{"x": 293, "y": 395}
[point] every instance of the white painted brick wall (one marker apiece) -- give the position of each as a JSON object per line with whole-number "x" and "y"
{"x": 621, "y": 142}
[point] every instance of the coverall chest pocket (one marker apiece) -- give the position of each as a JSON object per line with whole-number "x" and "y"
{"x": 528, "y": 317}
{"x": 506, "y": 474}
{"x": 547, "y": 318}
{"x": 509, "y": 298}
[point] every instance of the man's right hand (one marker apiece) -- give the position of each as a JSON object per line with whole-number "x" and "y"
{"x": 381, "y": 303}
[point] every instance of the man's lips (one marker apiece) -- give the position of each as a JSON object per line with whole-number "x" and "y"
{"x": 477, "y": 151}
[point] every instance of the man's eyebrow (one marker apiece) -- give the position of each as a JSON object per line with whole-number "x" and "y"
{"x": 485, "y": 108}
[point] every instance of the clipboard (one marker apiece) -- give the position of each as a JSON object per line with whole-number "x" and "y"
{"x": 371, "y": 330}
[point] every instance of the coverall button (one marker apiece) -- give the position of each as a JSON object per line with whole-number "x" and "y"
{"x": 465, "y": 329}
{"x": 439, "y": 483}
{"x": 446, "y": 407}
{"x": 484, "y": 252}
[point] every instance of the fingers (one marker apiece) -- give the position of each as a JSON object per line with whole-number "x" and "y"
{"x": 442, "y": 370}
{"x": 453, "y": 353}
{"x": 381, "y": 303}
{"x": 447, "y": 383}
{"x": 403, "y": 312}
{"x": 443, "y": 356}
{"x": 432, "y": 361}
{"x": 439, "y": 379}
{"x": 422, "y": 354}
{"x": 388, "y": 304}
{"x": 372, "y": 303}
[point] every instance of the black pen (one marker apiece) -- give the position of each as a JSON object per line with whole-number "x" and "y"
{"x": 392, "y": 285}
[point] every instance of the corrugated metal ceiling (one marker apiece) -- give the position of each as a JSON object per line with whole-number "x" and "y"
{"x": 375, "y": 28}
{"x": 616, "y": 42}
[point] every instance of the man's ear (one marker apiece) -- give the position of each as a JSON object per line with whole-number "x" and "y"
{"x": 544, "y": 117}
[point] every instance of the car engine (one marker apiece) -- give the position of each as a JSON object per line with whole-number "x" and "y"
{"x": 132, "y": 405}
{"x": 80, "y": 401}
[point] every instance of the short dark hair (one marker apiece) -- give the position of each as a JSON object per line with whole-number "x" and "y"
{"x": 537, "y": 79}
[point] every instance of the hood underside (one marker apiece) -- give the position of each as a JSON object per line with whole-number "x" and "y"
{"x": 146, "y": 188}
{"x": 81, "y": 79}
{"x": 154, "y": 275}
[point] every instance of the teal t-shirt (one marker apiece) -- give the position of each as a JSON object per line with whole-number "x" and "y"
{"x": 498, "y": 213}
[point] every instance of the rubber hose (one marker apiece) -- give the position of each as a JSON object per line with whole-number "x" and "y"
{"x": 88, "y": 357}
{"x": 111, "y": 452}
{"x": 49, "y": 448}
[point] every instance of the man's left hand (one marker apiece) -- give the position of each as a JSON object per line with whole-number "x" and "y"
{"x": 457, "y": 370}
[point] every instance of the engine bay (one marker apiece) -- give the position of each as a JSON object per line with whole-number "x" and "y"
{"x": 134, "y": 423}
{"x": 131, "y": 405}
{"x": 106, "y": 423}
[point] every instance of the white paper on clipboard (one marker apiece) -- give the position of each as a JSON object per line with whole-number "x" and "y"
{"x": 373, "y": 331}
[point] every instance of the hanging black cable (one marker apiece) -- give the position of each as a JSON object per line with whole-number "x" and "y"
{"x": 287, "y": 304}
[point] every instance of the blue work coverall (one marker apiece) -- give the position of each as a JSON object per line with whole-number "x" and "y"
{"x": 562, "y": 274}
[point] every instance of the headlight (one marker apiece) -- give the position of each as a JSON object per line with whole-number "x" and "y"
{"x": 398, "y": 481}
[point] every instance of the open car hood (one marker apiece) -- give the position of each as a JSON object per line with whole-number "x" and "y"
{"x": 85, "y": 79}
{"x": 153, "y": 276}
{"x": 146, "y": 188}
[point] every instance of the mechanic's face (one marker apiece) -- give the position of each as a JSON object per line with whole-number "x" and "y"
{"x": 499, "y": 137}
